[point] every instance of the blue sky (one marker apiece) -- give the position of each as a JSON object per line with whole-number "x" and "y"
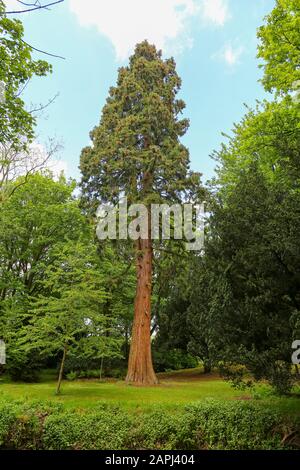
{"x": 213, "y": 41}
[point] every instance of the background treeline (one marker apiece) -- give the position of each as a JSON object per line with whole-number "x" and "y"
{"x": 66, "y": 300}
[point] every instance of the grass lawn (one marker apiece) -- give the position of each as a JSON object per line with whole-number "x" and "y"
{"x": 175, "y": 389}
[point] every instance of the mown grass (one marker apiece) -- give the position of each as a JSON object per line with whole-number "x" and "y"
{"x": 174, "y": 391}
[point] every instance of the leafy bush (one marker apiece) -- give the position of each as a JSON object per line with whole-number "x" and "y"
{"x": 205, "y": 425}
{"x": 101, "y": 429}
{"x": 83, "y": 374}
{"x": 235, "y": 425}
{"x": 174, "y": 359}
{"x": 24, "y": 368}
{"x": 90, "y": 369}
{"x": 21, "y": 424}
{"x": 281, "y": 377}
{"x": 79, "y": 364}
{"x": 116, "y": 373}
{"x": 262, "y": 391}
{"x": 72, "y": 376}
{"x": 212, "y": 425}
{"x": 163, "y": 430}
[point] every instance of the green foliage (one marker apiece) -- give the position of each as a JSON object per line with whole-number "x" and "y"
{"x": 245, "y": 300}
{"x": 54, "y": 287}
{"x": 173, "y": 359}
{"x": 69, "y": 317}
{"x": 75, "y": 363}
{"x": 72, "y": 376}
{"x": 34, "y": 222}
{"x": 262, "y": 392}
{"x": 72, "y": 303}
{"x": 268, "y": 137}
{"x": 106, "y": 428}
{"x": 162, "y": 430}
{"x": 17, "y": 67}
{"x": 84, "y": 374}
{"x": 24, "y": 367}
{"x": 136, "y": 148}
{"x": 235, "y": 425}
{"x": 19, "y": 427}
{"x": 174, "y": 274}
{"x": 280, "y": 47}
{"x": 206, "y": 425}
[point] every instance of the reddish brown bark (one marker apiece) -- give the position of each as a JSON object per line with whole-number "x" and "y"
{"x": 140, "y": 367}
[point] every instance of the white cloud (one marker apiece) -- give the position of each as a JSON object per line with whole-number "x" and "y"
{"x": 42, "y": 160}
{"x": 14, "y": 5}
{"x": 39, "y": 159}
{"x": 229, "y": 54}
{"x": 215, "y": 11}
{"x": 57, "y": 167}
{"x": 162, "y": 22}
{"x": 126, "y": 23}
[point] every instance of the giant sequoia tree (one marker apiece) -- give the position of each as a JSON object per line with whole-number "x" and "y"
{"x": 136, "y": 151}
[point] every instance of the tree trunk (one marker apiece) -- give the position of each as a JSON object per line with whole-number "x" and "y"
{"x": 206, "y": 367}
{"x": 61, "y": 371}
{"x": 140, "y": 368}
{"x": 101, "y": 368}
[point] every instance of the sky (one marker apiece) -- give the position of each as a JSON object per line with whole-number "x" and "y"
{"x": 213, "y": 42}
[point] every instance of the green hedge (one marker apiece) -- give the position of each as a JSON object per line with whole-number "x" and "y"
{"x": 204, "y": 425}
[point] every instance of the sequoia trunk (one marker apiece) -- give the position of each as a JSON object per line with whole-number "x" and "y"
{"x": 140, "y": 368}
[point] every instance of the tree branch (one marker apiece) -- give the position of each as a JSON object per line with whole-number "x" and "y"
{"x": 42, "y": 107}
{"x": 42, "y": 52}
{"x": 37, "y": 7}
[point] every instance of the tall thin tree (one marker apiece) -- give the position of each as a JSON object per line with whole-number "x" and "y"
{"x": 136, "y": 151}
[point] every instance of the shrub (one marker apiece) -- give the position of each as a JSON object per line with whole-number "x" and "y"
{"x": 281, "y": 377}
{"x": 97, "y": 430}
{"x": 235, "y": 425}
{"x": 24, "y": 368}
{"x": 79, "y": 364}
{"x": 117, "y": 373}
{"x": 209, "y": 424}
{"x": 21, "y": 424}
{"x": 174, "y": 359}
{"x": 161, "y": 429}
{"x": 83, "y": 374}
{"x": 213, "y": 425}
{"x": 72, "y": 376}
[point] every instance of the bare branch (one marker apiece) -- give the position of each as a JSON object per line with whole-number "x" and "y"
{"x": 44, "y": 106}
{"x": 37, "y": 7}
{"x": 16, "y": 167}
{"x": 23, "y": 88}
{"x": 43, "y": 52}
{"x": 36, "y": 3}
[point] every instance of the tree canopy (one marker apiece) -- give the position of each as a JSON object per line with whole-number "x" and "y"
{"x": 17, "y": 68}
